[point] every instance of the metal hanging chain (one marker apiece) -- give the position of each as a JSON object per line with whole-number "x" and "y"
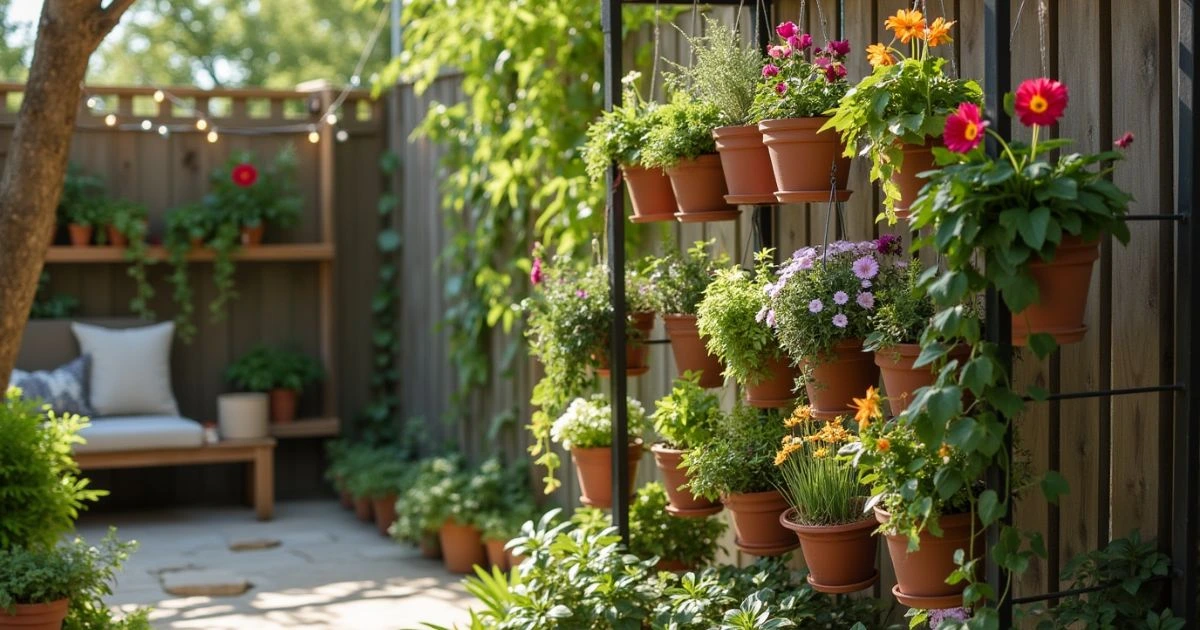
{"x": 953, "y": 45}
{"x": 834, "y": 206}
{"x": 1043, "y": 10}
{"x": 654, "y": 66}
{"x": 821, "y": 20}
{"x": 753, "y": 240}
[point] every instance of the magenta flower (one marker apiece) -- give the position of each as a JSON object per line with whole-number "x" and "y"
{"x": 781, "y": 88}
{"x": 822, "y": 62}
{"x": 777, "y": 52}
{"x": 786, "y": 29}
{"x": 888, "y": 244}
{"x": 964, "y": 128}
{"x": 1124, "y": 141}
{"x": 840, "y": 298}
{"x": 838, "y": 48}
{"x": 866, "y": 299}
{"x": 865, "y": 268}
{"x": 770, "y": 70}
{"x": 802, "y": 41}
{"x": 535, "y": 274}
{"x": 835, "y": 71}
{"x": 580, "y": 293}
{"x": 840, "y": 320}
{"x": 815, "y": 306}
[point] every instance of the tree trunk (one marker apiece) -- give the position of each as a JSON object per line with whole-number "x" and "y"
{"x": 68, "y": 32}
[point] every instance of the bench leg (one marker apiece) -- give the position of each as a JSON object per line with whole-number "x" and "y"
{"x": 263, "y": 485}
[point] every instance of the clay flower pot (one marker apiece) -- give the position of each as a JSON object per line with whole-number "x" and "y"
{"x": 430, "y": 546}
{"x": 283, "y": 405}
{"x": 776, "y": 390}
{"x": 1062, "y": 293}
{"x": 384, "y": 509}
{"x": 921, "y": 575}
{"x": 364, "y": 509}
{"x": 47, "y": 616}
{"x": 840, "y": 378}
{"x": 346, "y": 499}
{"x": 840, "y": 558}
{"x": 901, "y": 379}
{"x": 650, "y": 194}
{"x": 116, "y": 238}
{"x": 674, "y": 566}
{"x": 802, "y": 158}
{"x": 699, "y": 186}
{"x": 81, "y": 235}
{"x": 756, "y": 523}
{"x": 593, "y": 466}
{"x": 918, "y": 158}
{"x": 462, "y": 547}
{"x": 690, "y": 351}
{"x": 635, "y": 347}
{"x": 252, "y": 236}
{"x": 746, "y": 164}
{"x": 681, "y": 501}
{"x": 496, "y": 555}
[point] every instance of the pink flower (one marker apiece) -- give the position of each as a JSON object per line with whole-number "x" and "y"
{"x": 800, "y": 42}
{"x": 770, "y": 70}
{"x": 777, "y": 52}
{"x": 822, "y": 62}
{"x": 535, "y": 274}
{"x": 834, "y": 72}
{"x": 1124, "y": 141}
{"x": 815, "y": 306}
{"x": 964, "y": 129}
{"x": 1040, "y": 101}
{"x": 866, "y": 299}
{"x": 840, "y": 320}
{"x": 888, "y": 244}
{"x": 781, "y": 88}
{"x": 838, "y": 47}
{"x": 786, "y": 29}
{"x": 840, "y": 298}
{"x": 865, "y": 268}
{"x": 580, "y": 293}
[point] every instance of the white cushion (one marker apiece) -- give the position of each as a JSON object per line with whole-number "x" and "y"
{"x": 136, "y": 433}
{"x": 131, "y": 369}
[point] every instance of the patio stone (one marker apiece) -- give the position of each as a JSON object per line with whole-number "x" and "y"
{"x": 253, "y": 544}
{"x": 205, "y": 582}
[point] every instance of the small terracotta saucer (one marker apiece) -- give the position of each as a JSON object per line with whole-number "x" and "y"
{"x": 777, "y": 550}
{"x": 844, "y": 588}
{"x": 751, "y": 200}
{"x": 927, "y": 603}
{"x": 695, "y": 513}
{"x": 652, "y": 218}
{"x": 705, "y": 217}
{"x": 811, "y": 196}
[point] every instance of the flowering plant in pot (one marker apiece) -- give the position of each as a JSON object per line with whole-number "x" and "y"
{"x": 684, "y": 418}
{"x": 1027, "y": 221}
{"x": 679, "y": 283}
{"x": 618, "y": 136}
{"x": 423, "y": 506}
{"x": 799, "y": 84}
{"x": 379, "y": 475}
{"x": 738, "y": 466}
{"x": 821, "y": 305}
{"x": 585, "y": 429}
{"x": 733, "y": 320}
{"x": 252, "y": 197}
{"x": 900, "y": 106}
{"x": 682, "y": 143}
{"x": 826, "y": 500}
{"x": 281, "y": 372}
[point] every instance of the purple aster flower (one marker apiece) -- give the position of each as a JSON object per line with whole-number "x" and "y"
{"x": 840, "y": 298}
{"x": 866, "y": 284}
{"x": 771, "y": 318}
{"x": 816, "y": 306}
{"x": 840, "y": 320}
{"x": 866, "y": 268}
{"x": 806, "y": 263}
{"x": 866, "y": 299}
{"x": 901, "y": 264}
{"x": 762, "y": 314}
{"x": 936, "y": 617}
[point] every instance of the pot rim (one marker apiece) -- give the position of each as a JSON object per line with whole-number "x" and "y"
{"x": 750, "y": 498}
{"x": 955, "y": 519}
{"x": 633, "y": 443}
{"x": 704, "y": 161}
{"x": 914, "y": 350}
{"x": 736, "y": 130}
{"x": 783, "y": 124}
{"x": 867, "y": 522}
{"x": 658, "y": 447}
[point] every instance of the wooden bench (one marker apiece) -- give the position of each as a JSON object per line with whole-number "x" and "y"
{"x": 259, "y": 454}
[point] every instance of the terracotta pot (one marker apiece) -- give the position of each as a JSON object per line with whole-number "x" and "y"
{"x": 690, "y": 352}
{"x": 921, "y": 575}
{"x": 593, "y": 466}
{"x": 47, "y": 616}
{"x": 674, "y": 566}
{"x": 81, "y": 235}
{"x": 918, "y": 158}
{"x": 283, "y": 405}
{"x": 756, "y": 523}
{"x": 462, "y": 547}
{"x": 384, "y": 509}
{"x": 746, "y": 164}
{"x": 364, "y": 510}
{"x": 650, "y": 194}
{"x": 496, "y": 556}
{"x": 802, "y": 157}
{"x": 431, "y": 547}
{"x": 776, "y": 390}
{"x": 346, "y": 499}
{"x": 699, "y": 185}
{"x": 840, "y": 558}
{"x": 116, "y": 238}
{"x": 252, "y": 236}
{"x": 196, "y": 242}
{"x": 635, "y": 348}
{"x": 840, "y": 378}
{"x": 1063, "y": 286}
{"x": 901, "y": 379}
{"x": 682, "y": 502}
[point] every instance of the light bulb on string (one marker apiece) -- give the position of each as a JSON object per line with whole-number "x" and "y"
{"x": 163, "y": 131}
{"x": 212, "y": 136}
{"x": 343, "y": 135}
{"x": 147, "y": 125}
{"x": 159, "y": 96}
{"x": 110, "y": 120}
{"x": 313, "y": 136}
{"x": 201, "y": 124}
{"x": 91, "y": 102}
{"x": 331, "y": 119}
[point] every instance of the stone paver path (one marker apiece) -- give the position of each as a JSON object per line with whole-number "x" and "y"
{"x": 328, "y": 571}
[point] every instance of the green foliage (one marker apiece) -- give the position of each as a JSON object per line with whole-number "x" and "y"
{"x": 682, "y": 131}
{"x": 373, "y": 472}
{"x": 427, "y": 501}
{"x": 587, "y": 422}
{"x": 824, "y": 489}
{"x": 902, "y": 314}
{"x": 81, "y": 197}
{"x": 41, "y": 492}
{"x": 680, "y": 280}
{"x": 730, "y": 318}
{"x": 47, "y": 305}
{"x": 264, "y": 368}
{"x": 654, "y": 533}
{"x": 270, "y": 198}
{"x": 741, "y": 456}
{"x": 186, "y": 225}
{"x": 619, "y": 135}
{"x": 688, "y": 415}
{"x": 129, "y": 219}
{"x": 724, "y": 73}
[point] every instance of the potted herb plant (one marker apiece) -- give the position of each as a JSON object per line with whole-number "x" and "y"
{"x": 618, "y": 136}
{"x": 640, "y": 301}
{"x": 252, "y": 198}
{"x": 684, "y": 418}
{"x": 502, "y": 502}
{"x": 898, "y": 109}
{"x": 124, "y": 224}
{"x": 380, "y": 482}
{"x": 679, "y": 284}
{"x": 732, "y": 318}
{"x": 1034, "y": 220}
{"x": 585, "y": 429}
{"x": 826, "y": 502}
{"x": 423, "y": 506}
{"x": 281, "y": 372}
{"x": 799, "y": 85}
{"x": 738, "y": 466}
{"x": 681, "y": 142}
{"x": 77, "y": 205}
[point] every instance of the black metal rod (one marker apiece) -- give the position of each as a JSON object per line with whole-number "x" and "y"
{"x": 1031, "y": 599}
{"x": 1156, "y": 217}
{"x": 1108, "y": 393}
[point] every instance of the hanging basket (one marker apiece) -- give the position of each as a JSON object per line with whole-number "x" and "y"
{"x": 840, "y": 558}
{"x": 746, "y": 164}
{"x": 1063, "y": 286}
{"x": 918, "y": 158}
{"x": 689, "y": 350}
{"x": 756, "y": 523}
{"x": 921, "y": 574}
{"x": 635, "y": 347}
{"x": 774, "y": 391}
{"x": 901, "y": 379}
{"x": 836, "y": 381}
{"x": 593, "y": 466}
{"x": 650, "y": 195}
{"x": 681, "y": 500}
{"x": 803, "y": 158}
{"x": 699, "y": 186}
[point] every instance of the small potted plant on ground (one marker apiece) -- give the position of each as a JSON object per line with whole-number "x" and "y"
{"x": 280, "y": 372}
{"x": 504, "y": 503}
{"x": 684, "y": 418}
{"x": 502, "y": 525}
{"x": 682, "y": 143}
{"x": 381, "y": 483}
{"x": 826, "y": 500}
{"x": 252, "y": 199}
{"x": 738, "y": 465}
{"x": 679, "y": 284}
{"x": 901, "y": 106}
{"x": 337, "y": 454}
{"x": 585, "y": 429}
{"x": 423, "y": 507}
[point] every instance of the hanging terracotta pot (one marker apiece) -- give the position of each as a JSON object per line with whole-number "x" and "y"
{"x": 921, "y": 575}
{"x": 1063, "y": 286}
{"x": 803, "y": 159}
{"x": 699, "y": 186}
{"x": 775, "y": 390}
{"x": 840, "y": 558}
{"x": 593, "y": 467}
{"x": 384, "y": 509}
{"x": 746, "y": 164}
{"x": 462, "y": 547}
{"x": 650, "y": 194}
{"x": 81, "y": 235}
{"x": 252, "y": 236}
{"x": 681, "y": 502}
{"x": 47, "y": 616}
{"x": 431, "y": 547}
{"x": 115, "y": 237}
{"x": 674, "y": 566}
{"x": 691, "y": 355}
{"x": 756, "y": 523}
{"x": 918, "y": 158}
{"x": 283, "y": 405}
{"x": 496, "y": 555}
{"x": 844, "y": 375}
{"x": 901, "y": 379}
{"x": 364, "y": 509}
{"x": 635, "y": 348}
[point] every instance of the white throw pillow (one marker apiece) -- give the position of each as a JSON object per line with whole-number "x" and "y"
{"x": 131, "y": 368}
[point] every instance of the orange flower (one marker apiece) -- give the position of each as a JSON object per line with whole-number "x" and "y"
{"x": 879, "y": 55}
{"x": 907, "y": 24}
{"x": 790, "y": 446}
{"x": 938, "y": 33}
{"x": 883, "y": 445}
{"x": 867, "y": 408}
{"x": 944, "y": 451}
{"x": 802, "y": 415}
{"x": 821, "y": 452}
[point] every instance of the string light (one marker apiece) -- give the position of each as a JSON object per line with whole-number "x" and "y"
{"x": 159, "y": 96}
{"x": 147, "y": 125}
{"x": 201, "y": 124}
{"x": 331, "y": 119}
{"x": 313, "y": 136}
{"x": 163, "y": 131}
{"x": 91, "y": 102}
{"x": 110, "y": 120}
{"x": 343, "y": 135}
{"x": 212, "y": 136}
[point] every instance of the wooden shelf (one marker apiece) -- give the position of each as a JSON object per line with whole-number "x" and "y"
{"x": 288, "y": 252}
{"x": 306, "y": 427}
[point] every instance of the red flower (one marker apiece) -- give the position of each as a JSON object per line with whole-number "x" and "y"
{"x": 244, "y": 175}
{"x": 964, "y": 128}
{"x": 1040, "y": 101}
{"x": 1124, "y": 141}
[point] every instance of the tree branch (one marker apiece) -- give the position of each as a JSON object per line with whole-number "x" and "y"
{"x": 110, "y": 15}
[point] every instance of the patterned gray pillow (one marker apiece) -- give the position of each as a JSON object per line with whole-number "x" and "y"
{"x": 64, "y": 388}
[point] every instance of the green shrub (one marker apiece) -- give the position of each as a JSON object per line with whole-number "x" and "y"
{"x": 725, "y": 72}
{"x": 731, "y": 318}
{"x": 741, "y": 456}
{"x": 265, "y": 368}
{"x": 688, "y": 415}
{"x": 428, "y": 500}
{"x": 619, "y": 135}
{"x": 679, "y": 281}
{"x": 81, "y": 197}
{"x": 270, "y": 197}
{"x": 682, "y": 131}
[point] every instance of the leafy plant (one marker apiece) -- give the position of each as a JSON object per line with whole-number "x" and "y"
{"x": 618, "y": 135}
{"x": 373, "y": 473}
{"x": 249, "y": 196}
{"x": 680, "y": 280}
{"x": 823, "y": 489}
{"x": 740, "y": 458}
{"x": 688, "y": 415}
{"x": 799, "y": 81}
{"x": 903, "y": 312}
{"x": 47, "y": 305}
{"x": 129, "y": 219}
{"x": 654, "y": 533}
{"x": 80, "y": 198}
{"x": 426, "y": 503}
{"x": 264, "y": 368}
{"x": 731, "y": 318}
{"x": 187, "y": 226}
{"x": 587, "y": 423}
{"x": 682, "y": 131}
{"x": 724, "y": 72}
